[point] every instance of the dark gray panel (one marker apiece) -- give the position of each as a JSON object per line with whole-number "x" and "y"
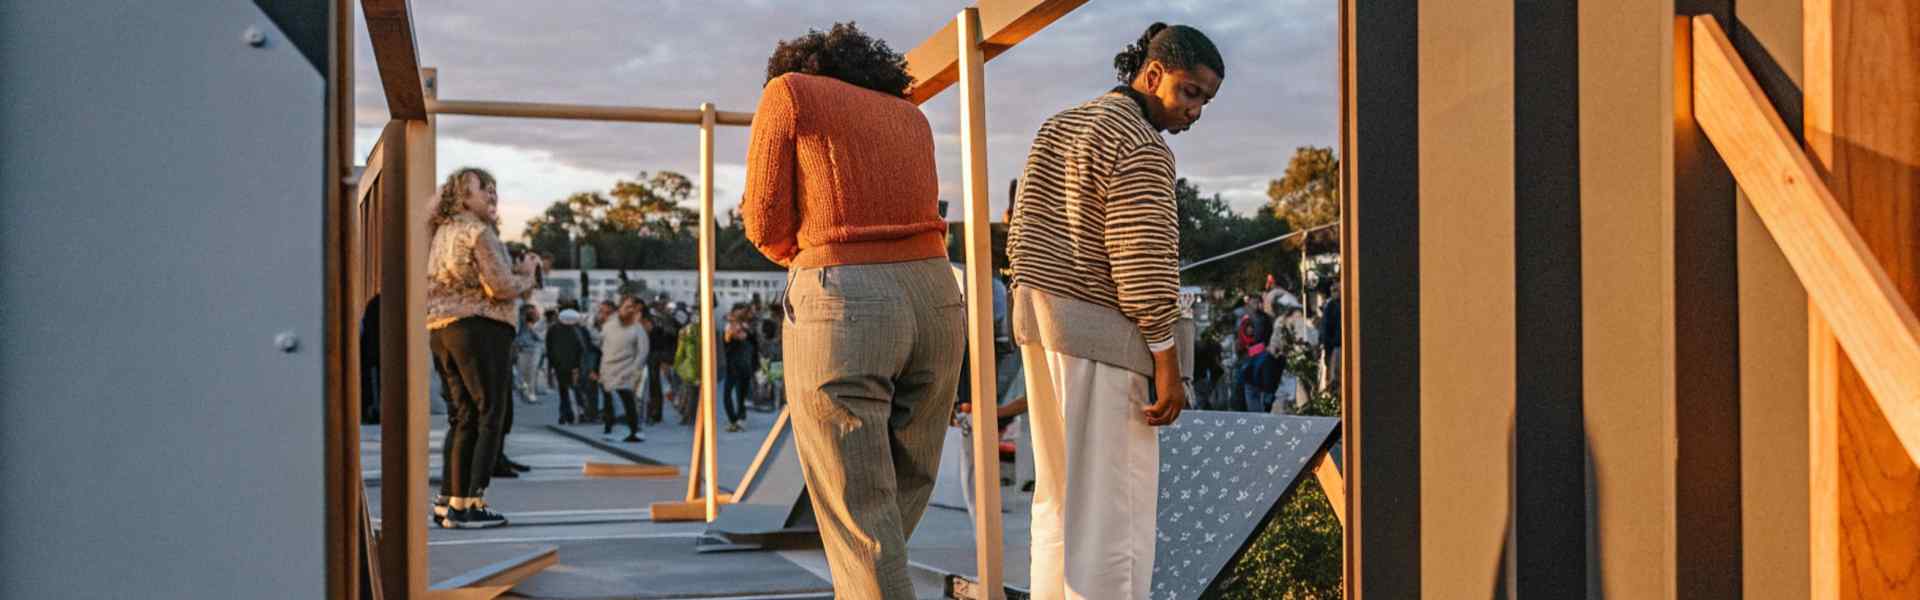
{"x": 1222, "y": 477}
{"x": 1382, "y": 419}
{"x": 1547, "y": 545}
{"x": 161, "y": 186}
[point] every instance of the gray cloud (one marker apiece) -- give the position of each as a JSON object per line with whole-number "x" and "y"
{"x": 1280, "y": 90}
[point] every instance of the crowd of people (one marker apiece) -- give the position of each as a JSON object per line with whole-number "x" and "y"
{"x": 1270, "y": 353}
{"x": 622, "y": 364}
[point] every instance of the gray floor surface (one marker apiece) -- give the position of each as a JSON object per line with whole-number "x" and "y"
{"x": 608, "y": 547}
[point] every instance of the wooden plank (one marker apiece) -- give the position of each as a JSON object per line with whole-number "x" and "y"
{"x": 1873, "y": 323}
{"x": 709, "y": 356}
{"x": 340, "y": 316}
{"x": 935, "y": 63}
{"x": 504, "y": 574}
{"x": 691, "y": 510}
{"x": 766, "y": 447}
{"x": 988, "y": 544}
{"x": 1328, "y": 474}
{"x": 628, "y": 470}
{"x": 390, "y": 29}
{"x": 1823, "y": 459}
{"x": 403, "y": 532}
{"x": 584, "y": 112}
{"x": 693, "y": 462}
{"x": 1862, "y": 128}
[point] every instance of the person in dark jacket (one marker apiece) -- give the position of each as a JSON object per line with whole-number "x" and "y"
{"x": 566, "y": 350}
{"x": 662, "y": 336}
{"x": 1264, "y": 371}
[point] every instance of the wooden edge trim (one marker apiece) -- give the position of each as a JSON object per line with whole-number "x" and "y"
{"x": 504, "y": 573}
{"x": 759, "y": 458}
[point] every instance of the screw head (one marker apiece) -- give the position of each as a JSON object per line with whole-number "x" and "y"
{"x": 254, "y": 37}
{"x": 286, "y": 341}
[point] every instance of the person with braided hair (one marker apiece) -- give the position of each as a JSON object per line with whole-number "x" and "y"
{"x": 1094, "y": 244}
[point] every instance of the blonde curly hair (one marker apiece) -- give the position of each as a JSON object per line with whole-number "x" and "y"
{"x": 448, "y": 205}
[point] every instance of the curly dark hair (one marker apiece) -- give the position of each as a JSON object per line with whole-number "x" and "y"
{"x": 844, "y": 53}
{"x": 1176, "y": 46}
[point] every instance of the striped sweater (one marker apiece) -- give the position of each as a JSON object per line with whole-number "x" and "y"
{"x": 1094, "y": 224}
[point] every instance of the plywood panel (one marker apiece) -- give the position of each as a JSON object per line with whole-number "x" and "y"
{"x": 1863, "y": 128}
{"x": 1626, "y": 189}
{"x": 1466, "y": 293}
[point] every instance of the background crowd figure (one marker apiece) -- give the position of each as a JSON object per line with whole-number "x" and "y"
{"x": 1270, "y": 353}
{"x": 626, "y": 360}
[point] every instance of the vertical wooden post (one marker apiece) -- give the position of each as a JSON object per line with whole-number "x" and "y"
{"x": 1862, "y": 128}
{"x": 341, "y": 315}
{"x": 986, "y": 424}
{"x": 406, "y": 190}
{"x": 708, "y": 358}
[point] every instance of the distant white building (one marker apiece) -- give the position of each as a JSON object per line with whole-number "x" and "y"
{"x": 679, "y": 286}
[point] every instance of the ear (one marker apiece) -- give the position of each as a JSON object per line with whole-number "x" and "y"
{"x": 1151, "y": 73}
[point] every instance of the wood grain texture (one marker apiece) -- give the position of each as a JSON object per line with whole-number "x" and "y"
{"x": 390, "y": 29}
{"x": 1862, "y": 127}
{"x": 1874, "y": 324}
{"x": 935, "y": 63}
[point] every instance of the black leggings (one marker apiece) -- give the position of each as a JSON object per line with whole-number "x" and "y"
{"x": 474, "y": 359}
{"x": 627, "y": 402}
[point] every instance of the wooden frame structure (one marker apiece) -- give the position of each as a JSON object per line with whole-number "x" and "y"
{"x": 399, "y": 180}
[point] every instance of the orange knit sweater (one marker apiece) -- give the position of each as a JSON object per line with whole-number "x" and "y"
{"x": 840, "y": 175}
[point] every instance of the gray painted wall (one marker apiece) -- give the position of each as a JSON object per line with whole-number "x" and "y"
{"x": 160, "y": 222}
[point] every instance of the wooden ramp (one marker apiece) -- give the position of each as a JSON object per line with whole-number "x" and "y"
{"x": 488, "y": 582}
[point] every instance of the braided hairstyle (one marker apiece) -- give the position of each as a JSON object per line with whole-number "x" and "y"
{"x": 1176, "y": 46}
{"x": 844, "y": 53}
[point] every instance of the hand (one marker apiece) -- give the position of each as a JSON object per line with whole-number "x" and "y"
{"x": 1167, "y": 386}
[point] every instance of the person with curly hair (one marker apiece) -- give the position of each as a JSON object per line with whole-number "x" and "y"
{"x": 841, "y": 190}
{"x": 471, "y": 291}
{"x": 1095, "y": 250}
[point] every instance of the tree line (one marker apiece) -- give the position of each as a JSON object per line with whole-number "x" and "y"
{"x": 645, "y": 223}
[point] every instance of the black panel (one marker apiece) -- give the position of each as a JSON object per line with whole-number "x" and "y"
{"x": 1383, "y": 417}
{"x": 303, "y": 22}
{"x": 1547, "y": 551}
{"x": 1706, "y": 298}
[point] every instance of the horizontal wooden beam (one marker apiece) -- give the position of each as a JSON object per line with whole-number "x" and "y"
{"x": 583, "y": 112}
{"x": 935, "y": 63}
{"x": 390, "y": 28}
{"x": 600, "y": 469}
{"x": 1846, "y": 283}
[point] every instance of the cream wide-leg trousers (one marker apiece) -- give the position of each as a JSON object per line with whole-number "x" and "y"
{"x": 1097, "y": 468}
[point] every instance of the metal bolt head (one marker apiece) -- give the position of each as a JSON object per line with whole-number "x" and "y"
{"x": 254, "y": 37}
{"x": 286, "y": 341}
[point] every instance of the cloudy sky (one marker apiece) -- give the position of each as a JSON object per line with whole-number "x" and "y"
{"x": 1280, "y": 90}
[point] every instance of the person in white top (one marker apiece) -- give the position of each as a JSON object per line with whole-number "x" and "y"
{"x": 623, "y": 354}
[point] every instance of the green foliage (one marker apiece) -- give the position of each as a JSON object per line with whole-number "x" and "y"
{"x": 642, "y": 223}
{"x": 1208, "y": 228}
{"x": 1298, "y": 554}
